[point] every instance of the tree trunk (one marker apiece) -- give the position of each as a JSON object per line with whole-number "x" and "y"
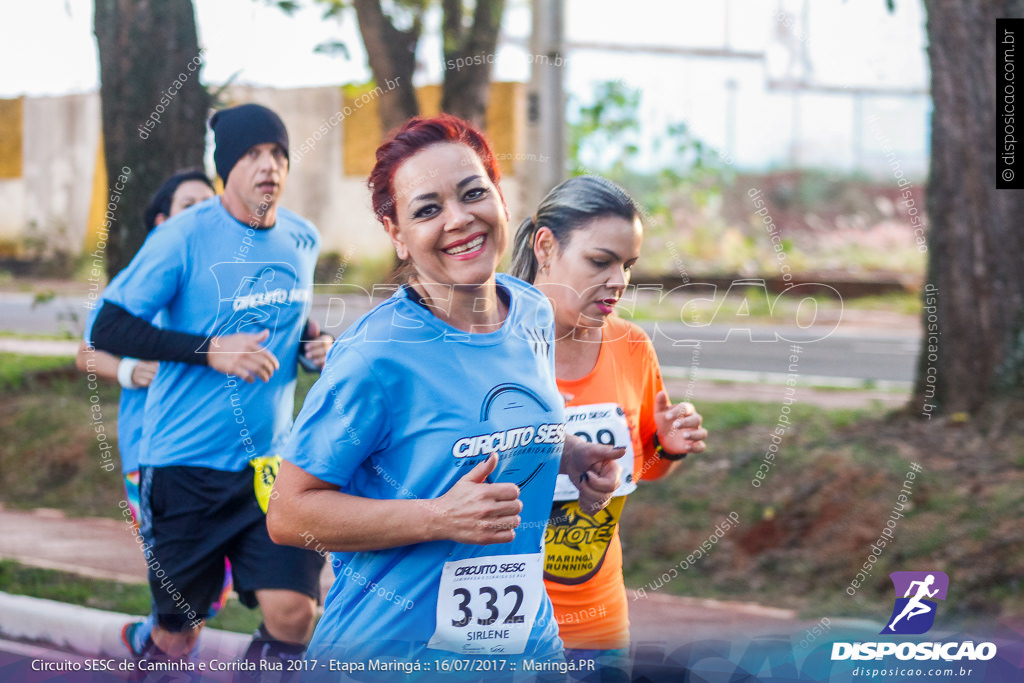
{"x": 469, "y": 54}
{"x": 973, "y": 346}
{"x": 392, "y": 56}
{"x": 154, "y": 107}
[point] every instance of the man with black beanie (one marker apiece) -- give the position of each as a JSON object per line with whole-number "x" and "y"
{"x": 234, "y": 279}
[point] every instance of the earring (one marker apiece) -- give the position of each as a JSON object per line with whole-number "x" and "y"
{"x": 544, "y": 268}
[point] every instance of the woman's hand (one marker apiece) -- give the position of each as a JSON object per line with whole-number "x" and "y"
{"x": 679, "y": 429}
{"x": 315, "y": 344}
{"x": 144, "y": 372}
{"x": 593, "y": 469}
{"x": 474, "y": 511}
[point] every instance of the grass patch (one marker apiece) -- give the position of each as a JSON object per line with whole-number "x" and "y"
{"x": 20, "y": 579}
{"x": 111, "y": 596}
{"x": 46, "y": 420}
{"x": 18, "y": 372}
{"x": 236, "y": 617}
{"x": 828, "y": 491}
{"x": 55, "y": 336}
{"x": 701, "y": 307}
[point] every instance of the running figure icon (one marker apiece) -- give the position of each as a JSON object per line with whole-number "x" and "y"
{"x": 917, "y": 595}
{"x": 915, "y": 607}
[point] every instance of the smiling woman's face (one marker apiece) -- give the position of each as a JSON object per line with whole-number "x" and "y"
{"x": 587, "y": 277}
{"x": 451, "y": 221}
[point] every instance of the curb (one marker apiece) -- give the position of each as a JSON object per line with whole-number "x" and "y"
{"x": 39, "y": 347}
{"x": 92, "y": 632}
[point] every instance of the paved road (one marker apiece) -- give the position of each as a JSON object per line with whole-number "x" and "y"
{"x": 837, "y": 353}
{"x": 718, "y": 352}
{"x": 105, "y": 548}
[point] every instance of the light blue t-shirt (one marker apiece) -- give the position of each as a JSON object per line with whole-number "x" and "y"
{"x": 405, "y": 407}
{"x": 130, "y": 414}
{"x": 212, "y": 276}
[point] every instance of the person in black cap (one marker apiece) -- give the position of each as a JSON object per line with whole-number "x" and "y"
{"x": 233, "y": 277}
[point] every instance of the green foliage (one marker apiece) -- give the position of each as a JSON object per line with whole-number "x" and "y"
{"x": 19, "y": 579}
{"x": 19, "y": 372}
{"x": 603, "y": 140}
{"x": 399, "y": 12}
{"x": 610, "y": 123}
{"x": 333, "y": 47}
{"x": 332, "y": 9}
{"x": 289, "y": 7}
{"x": 699, "y": 218}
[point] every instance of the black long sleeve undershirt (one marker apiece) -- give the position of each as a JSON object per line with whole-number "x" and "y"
{"x": 117, "y": 331}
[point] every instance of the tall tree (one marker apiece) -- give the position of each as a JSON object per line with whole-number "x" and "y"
{"x": 973, "y": 347}
{"x": 391, "y": 52}
{"x": 154, "y": 106}
{"x": 391, "y": 31}
{"x": 471, "y": 47}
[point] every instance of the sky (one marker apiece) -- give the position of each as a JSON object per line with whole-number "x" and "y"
{"x": 725, "y": 102}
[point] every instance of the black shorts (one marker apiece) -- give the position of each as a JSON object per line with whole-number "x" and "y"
{"x": 194, "y": 517}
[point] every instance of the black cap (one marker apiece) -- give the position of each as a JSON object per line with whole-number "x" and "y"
{"x": 160, "y": 203}
{"x": 238, "y": 129}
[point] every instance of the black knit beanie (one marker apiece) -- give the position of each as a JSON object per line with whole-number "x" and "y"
{"x": 238, "y": 129}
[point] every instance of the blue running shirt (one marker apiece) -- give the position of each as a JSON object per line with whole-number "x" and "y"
{"x": 213, "y": 275}
{"x": 405, "y": 407}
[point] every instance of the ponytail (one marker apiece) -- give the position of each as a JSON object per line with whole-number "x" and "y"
{"x": 524, "y": 261}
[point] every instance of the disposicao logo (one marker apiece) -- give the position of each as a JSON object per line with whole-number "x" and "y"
{"x": 914, "y": 613}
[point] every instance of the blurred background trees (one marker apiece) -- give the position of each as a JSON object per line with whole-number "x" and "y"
{"x": 145, "y": 47}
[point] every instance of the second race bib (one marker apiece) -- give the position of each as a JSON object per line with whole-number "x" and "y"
{"x": 263, "y": 480}
{"x": 601, "y": 423}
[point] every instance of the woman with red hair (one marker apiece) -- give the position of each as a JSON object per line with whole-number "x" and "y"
{"x": 426, "y": 455}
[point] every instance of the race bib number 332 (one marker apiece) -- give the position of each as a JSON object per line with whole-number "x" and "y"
{"x": 487, "y": 605}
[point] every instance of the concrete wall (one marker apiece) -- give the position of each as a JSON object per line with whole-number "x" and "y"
{"x": 318, "y": 187}
{"x": 59, "y": 141}
{"x": 52, "y": 170}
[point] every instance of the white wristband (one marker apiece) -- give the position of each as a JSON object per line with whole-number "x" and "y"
{"x": 124, "y": 373}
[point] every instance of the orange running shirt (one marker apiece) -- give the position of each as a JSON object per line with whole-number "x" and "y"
{"x": 583, "y": 555}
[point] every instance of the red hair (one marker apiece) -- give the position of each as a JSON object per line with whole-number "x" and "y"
{"x": 417, "y": 134}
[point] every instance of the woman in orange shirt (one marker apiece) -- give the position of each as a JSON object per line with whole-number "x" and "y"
{"x": 578, "y": 249}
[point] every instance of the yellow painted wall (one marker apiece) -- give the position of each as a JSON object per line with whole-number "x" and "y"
{"x": 361, "y": 133}
{"x": 11, "y": 132}
{"x": 100, "y": 193}
{"x": 505, "y": 125}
